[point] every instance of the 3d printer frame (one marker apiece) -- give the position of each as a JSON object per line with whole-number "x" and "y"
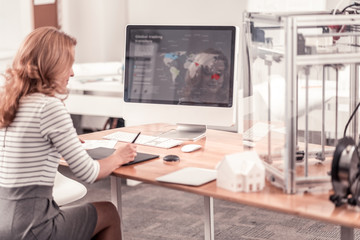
{"x": 297, "y": 54}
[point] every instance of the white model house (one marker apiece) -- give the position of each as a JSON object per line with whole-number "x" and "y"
{"x": 241, "y": 172}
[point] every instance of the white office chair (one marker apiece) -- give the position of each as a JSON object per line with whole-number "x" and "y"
{"x": 67, "y": 190}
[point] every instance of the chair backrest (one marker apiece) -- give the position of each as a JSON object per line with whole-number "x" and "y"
{"x": 67, "y": 190}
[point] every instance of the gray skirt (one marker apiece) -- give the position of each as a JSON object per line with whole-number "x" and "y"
{"x": 31, "y": 213}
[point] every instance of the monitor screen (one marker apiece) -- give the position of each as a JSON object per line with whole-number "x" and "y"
{"x": 188, "y": 66}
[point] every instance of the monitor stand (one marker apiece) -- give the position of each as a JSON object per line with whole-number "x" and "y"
{"x": 188, "y": 132}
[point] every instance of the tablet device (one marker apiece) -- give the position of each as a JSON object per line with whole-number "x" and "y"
{"x": 102, "y": 152}
{"x": 189, "y": 176}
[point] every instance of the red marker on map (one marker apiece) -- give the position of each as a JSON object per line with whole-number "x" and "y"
{"x": 215, "y": 76}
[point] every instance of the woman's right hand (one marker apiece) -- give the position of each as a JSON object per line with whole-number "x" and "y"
{"x": 122, "y": 155}
{"x": 125, "y": 153}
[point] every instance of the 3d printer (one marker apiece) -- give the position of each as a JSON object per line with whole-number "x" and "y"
{"x": 303, "y": 68}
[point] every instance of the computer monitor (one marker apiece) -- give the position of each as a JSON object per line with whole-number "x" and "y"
{"x": 180, "y": 74}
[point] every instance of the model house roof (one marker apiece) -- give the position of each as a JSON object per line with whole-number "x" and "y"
{"x": 242, "y": 163}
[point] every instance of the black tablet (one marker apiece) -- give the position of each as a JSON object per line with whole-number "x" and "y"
{"x": 102, "y": 152}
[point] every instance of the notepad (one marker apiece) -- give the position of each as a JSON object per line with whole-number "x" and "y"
{"x": 102, "y": 152}
{"x": 189, "y": 176}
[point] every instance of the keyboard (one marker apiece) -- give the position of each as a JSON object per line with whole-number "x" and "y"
{"x": 154, "y": 141}
{"x": 256, "y": 132}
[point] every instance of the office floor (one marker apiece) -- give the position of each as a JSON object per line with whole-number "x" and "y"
{"x": 156, "y": 213}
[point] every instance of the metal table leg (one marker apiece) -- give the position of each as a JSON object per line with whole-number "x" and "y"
{"x": 115, "y": 188}
{"x": 209, "y": 218}
{"x": 346, "y": 233}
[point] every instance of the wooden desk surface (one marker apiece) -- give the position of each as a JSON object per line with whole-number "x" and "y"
{"x": 216, "y": 145}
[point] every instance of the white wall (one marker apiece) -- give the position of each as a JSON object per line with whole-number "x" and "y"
{"x": 331, "y": 4}
{"x": 15, "y": 16}
{"x": 99, "y": 27}
{"x": 286, "y": 6}
{"x": 15, "y": 22}
{"x": 225, "y": 12}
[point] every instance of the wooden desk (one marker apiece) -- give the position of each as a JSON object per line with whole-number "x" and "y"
{"x": 216, "y": 145}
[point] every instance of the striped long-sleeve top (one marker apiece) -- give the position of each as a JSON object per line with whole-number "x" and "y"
{"x": 32, "y": 146}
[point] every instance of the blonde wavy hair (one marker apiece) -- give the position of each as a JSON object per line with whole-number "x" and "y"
{"x": 40, "y": 65}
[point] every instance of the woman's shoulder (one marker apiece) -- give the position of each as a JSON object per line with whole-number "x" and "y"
{"x": 40, "y": 99}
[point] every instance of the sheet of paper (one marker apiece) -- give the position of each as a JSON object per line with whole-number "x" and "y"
{"x": 90, "y": 144}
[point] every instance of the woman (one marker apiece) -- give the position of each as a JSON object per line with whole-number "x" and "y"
{"x": 35, "y": 132}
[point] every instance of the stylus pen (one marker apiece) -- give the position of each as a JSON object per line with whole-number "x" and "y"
{"x": 133, "y": 141}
